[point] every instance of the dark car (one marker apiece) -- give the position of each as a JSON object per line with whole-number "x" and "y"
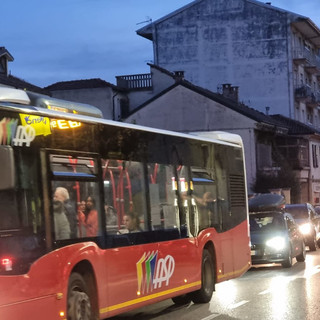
{"x": 275, "y": 236}
{"x": 309, "y": 222}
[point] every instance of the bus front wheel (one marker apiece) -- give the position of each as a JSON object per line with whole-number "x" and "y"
{"x": 204, "y": 294}
{"x": 79, "y": 306}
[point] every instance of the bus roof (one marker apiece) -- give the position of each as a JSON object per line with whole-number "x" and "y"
{"x": 23, "y": 101}
{"x": 12, "y": 95}
{"x": 221, "y": 136}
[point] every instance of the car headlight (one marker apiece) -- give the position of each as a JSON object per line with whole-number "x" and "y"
{"x": 305, "y": 228}
{"x": 277, "y": 243}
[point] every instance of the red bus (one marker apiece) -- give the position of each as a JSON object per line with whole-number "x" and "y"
{"x": 59, "y": 260}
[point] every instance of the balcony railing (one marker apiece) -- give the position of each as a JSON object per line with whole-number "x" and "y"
{"x": 308, "y": 56}
{"x": 135, "y": 81}
{"x": 305, "y": 93}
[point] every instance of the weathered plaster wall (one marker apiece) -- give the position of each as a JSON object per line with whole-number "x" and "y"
{"x": 229, "y": 41}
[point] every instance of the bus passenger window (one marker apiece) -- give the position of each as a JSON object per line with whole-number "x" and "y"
{"x": 163, "y": 202}
{"x": 205, "y": 196}
{"x": 70, "y": 220}
{"x": 138, "y": 192}
{"x": 189, "y": 216}
{"x": 124, "y": 192}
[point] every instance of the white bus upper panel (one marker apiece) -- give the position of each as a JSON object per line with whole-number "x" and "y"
{"x": 18, "y": 96}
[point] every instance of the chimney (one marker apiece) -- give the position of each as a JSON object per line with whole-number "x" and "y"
{"x": 5, "y": 57}
{"x": 267, "y": 110}
{"x": 179, "y": 75}
{"x": 230, "y": 92}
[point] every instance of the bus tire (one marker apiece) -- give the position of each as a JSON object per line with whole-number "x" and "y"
{"x": 79, "y": 306}
{"x": 204, "y": 294}
{"x": 181, "y": 300}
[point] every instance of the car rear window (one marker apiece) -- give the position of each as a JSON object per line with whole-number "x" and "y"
{"x": 266, "y": 223}
{"x": 298, "y": 212}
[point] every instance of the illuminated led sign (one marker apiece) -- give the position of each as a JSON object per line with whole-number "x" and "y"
{"x": 65, "y": 124}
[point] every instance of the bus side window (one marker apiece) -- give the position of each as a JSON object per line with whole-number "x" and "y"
{"x": 205, "y": 197}
{"x": 220, "y": 165}
{"x": 69, "y": 221}
{"x": 163, "y": 203}
{"x": 189, "y": 216}
{"x": 124, "y": 192}
{"x": 111, "y": 171}
{"x": 137, "y": 202}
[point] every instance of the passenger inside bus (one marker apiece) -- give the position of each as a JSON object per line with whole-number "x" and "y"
{"x": 81, "y": 228}
{"x": 61, "y": 223}
{"x": 111, "y": 215}
{"x": 131, "y": 223}
{"x": 61, "y": 194}
{"x": 88, "y": 220}
{"x": 82, "y": 206}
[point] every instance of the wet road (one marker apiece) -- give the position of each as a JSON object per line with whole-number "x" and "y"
{"x": 267, "y": 292}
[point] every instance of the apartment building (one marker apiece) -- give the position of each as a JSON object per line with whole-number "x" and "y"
{"x": 270, "y": 53}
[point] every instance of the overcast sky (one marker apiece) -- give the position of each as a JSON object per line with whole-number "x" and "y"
{"x": 61, "y": 40}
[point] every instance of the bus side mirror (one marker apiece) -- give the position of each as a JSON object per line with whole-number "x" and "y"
{"x": 7, "y": 170}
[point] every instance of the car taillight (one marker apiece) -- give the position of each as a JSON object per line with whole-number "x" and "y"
{"x": 6, "y": 263}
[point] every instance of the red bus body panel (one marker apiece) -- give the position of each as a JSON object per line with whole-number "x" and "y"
{"x": 124, "y": 278}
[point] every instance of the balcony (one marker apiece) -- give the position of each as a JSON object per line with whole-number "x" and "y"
{"x": 308, "y": 58}
{"x": 295, "y": 151}
{"x": 306, "y": 94}
{"x": 135, "y": 81}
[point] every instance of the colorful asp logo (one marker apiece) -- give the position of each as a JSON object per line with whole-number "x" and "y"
{"x": 152, "y": 272}
{"x": 13, "y": 134}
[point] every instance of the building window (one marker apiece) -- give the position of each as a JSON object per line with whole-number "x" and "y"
{"x": 314, "y": 156}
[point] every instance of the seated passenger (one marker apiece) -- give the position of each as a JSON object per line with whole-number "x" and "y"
{"x": 131, "y": 223}
{"x": 111, "y": 215}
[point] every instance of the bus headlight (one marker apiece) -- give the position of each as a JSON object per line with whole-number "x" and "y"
{"x": 276, "y": 243}
{"x": 305, "y": 228}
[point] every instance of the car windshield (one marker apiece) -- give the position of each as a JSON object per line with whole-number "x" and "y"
{"x": 266, "y": 223}
{"x": 298, "y": 212}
